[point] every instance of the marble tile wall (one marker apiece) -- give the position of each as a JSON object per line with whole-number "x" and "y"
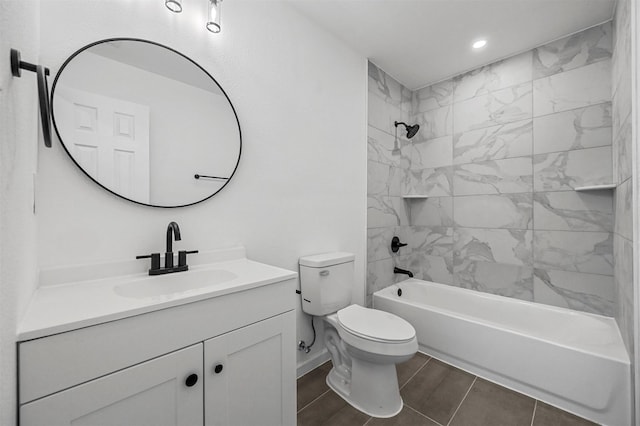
{"x": 499, "y": 153}
{"x": 621, "y": 118}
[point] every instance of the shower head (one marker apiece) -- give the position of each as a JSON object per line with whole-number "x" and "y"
{"x": 411, "y": 130}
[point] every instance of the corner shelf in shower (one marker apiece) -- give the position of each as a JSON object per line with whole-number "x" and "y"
{"x": 415, "y": 197}
{"x": 595, "y": 187}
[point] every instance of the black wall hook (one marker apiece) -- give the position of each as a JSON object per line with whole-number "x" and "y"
{"x": 42, "y": 72}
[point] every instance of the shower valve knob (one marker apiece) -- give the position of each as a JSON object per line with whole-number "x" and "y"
{"x": 396, "y": 244}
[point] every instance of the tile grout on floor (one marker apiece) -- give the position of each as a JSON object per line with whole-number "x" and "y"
{"x": 463, "y": 398}
{"x": 417, "y": 371}
{"x": 423, "y": 415}
{"x": 317, "y": 398}
{"x": 533, "y": 416}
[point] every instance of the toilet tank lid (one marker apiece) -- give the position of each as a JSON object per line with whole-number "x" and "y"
{"x": 326, "y": 259}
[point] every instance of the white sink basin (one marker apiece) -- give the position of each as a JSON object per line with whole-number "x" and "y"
{"x": 170, "y": 284}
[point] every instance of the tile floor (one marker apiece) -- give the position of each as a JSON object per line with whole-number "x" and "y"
{"x": 434, "y": 394}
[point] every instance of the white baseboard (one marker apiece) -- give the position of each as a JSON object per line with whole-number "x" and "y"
{"x": 312, "y": 363}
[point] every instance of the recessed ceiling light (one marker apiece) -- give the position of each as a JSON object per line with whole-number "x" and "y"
{"x": 479, "y": 44}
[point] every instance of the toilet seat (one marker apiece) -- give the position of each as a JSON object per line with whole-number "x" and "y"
{"x": 355, "y": 337}
{"x": 372, "y": 324}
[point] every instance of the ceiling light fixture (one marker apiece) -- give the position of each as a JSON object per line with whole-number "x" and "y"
{"x": 479, "y": 44}
{"x": 213, "y": 15}
{"x": 174, "y": 5}
{"x": 213, "y": 23}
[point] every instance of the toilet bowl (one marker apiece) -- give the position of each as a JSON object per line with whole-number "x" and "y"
{"x": 365, "y": 344}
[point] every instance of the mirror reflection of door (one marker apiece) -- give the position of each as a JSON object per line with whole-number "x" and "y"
{"x": 109, "y": 140}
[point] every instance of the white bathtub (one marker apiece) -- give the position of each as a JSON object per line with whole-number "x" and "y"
{"x": 572, "y": 360}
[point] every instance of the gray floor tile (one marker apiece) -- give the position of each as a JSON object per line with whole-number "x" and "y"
{"x": 327, "y": 366}
{"x": 408, "y": 368}
{"x": 437, "y": 390}
{"x": 331, "y": 410}
{"x": 311, "y": 385}
{"x": 547, "y": 415}
{"x": 488, "y": 404}
{"x": 407, "y": 417}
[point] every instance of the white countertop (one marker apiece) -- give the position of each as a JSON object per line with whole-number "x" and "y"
{"x": 56, "y": 308}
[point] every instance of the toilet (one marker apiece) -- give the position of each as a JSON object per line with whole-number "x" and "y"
{"x": 365, "y": 344}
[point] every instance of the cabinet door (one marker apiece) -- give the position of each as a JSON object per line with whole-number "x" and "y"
{"x": 250, "y": 375}
{"x": 152, "y": 393}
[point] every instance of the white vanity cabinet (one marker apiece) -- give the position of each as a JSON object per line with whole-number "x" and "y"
{"x": 141, "y": 369}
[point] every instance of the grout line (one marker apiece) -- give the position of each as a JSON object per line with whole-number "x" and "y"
{"x": 321, "y": 395}
{"x": 535, "y": 407}
{"x": 422, "y": 414}
{"x": 533, "y": 191}
{"x": 566, "y": 110}
{"x": 414, "y": 374}
{"x": 570, "y": 149}
{"x": 463, "y": 399}
{"x": 518, "y": 229}
{"x": 368, "y": 421}
{"x": 520, "y": 156}
{"x": 452, "y": 186}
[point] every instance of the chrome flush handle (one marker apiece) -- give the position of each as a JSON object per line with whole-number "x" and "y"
{"x": 324, "y": 273}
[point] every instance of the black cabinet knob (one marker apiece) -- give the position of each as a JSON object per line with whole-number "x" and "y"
{"x": 192, "y": 379}
{"x": 217, "y": 368}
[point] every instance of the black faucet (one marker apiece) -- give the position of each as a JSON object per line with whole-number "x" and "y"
{"x": 173, "y": 232}
{"x": 397, "y": 270}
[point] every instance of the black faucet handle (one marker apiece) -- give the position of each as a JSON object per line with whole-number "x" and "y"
{"x": 396, "y": 244}
{"x": 155, "y": 259}
{"x": 182, "y": 256}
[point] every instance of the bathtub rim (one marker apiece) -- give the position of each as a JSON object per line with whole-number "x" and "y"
{"x": 389, "y": 293}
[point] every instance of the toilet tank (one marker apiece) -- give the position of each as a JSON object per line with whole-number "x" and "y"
{"x": 326, "y": 282}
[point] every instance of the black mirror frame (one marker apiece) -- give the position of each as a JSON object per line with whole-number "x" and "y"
{"x": 55, "y": 126}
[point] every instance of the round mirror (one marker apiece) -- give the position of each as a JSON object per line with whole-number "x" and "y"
{"x": 146, "y": 123}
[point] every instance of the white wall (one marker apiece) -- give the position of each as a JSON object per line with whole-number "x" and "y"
{"x": 18, "y": 141}
{"x": 301, "y": 99}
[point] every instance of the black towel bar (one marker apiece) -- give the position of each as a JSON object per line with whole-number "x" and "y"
{"x": 197, "y": 176}
{"x": 43, "y": 91}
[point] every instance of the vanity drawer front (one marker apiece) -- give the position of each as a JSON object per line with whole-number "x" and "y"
{"x": 54, "y": 363}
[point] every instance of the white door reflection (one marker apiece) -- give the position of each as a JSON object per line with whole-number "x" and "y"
{"x": 109, "y": 140}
